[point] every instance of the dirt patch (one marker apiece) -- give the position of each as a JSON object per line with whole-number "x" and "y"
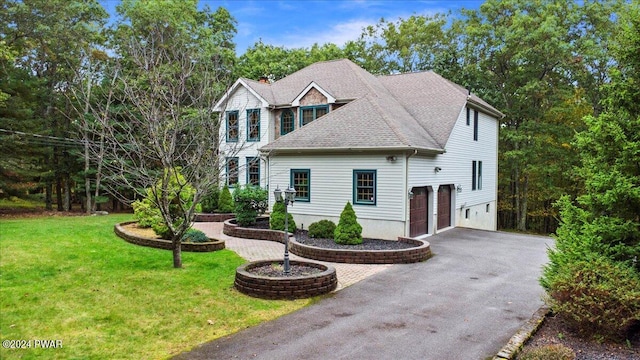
{"x": 555, "y": 331}
{"x": 134, "y": 229}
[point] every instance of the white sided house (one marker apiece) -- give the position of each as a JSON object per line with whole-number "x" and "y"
{"x": 414, "y": 153}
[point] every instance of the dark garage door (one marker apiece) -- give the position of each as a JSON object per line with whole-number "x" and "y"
{"x": 444, "y": 206}
{"x": 418, "y": 212}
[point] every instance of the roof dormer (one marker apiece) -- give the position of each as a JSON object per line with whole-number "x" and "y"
{"x": 328, "y": 99}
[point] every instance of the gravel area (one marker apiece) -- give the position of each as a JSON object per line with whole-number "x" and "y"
{"x": 302, "y": 237}
{"x": 555, "y": 331}
{"x": 277, "y": 270}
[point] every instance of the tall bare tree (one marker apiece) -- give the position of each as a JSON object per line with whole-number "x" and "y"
{"x": 173, "y": 62}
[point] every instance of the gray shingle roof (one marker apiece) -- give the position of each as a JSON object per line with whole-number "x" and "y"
{"x": 416, "y": 110}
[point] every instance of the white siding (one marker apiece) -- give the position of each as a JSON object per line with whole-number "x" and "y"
{"x": 242, "y": 100}
{"x": 331, "y": 186}
{"x": 456, "y": 168}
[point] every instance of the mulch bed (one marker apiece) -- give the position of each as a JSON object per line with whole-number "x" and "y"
{"x": 302, "y": 236}
{"x": 555, "y": 331}
{"x": 277, "y": 270}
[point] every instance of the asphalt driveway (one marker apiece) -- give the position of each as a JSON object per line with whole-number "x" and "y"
{"x": 464, "y": 303}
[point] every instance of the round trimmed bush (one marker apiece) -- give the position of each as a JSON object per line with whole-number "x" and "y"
{"x": 323, "y": 229}
{"x": 195, "y": 236}
{"x": 348, "y": 231}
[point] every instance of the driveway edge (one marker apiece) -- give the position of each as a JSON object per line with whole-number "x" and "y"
{"x": 522, "y": 335}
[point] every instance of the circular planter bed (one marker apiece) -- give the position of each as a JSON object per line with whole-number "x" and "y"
{"x": 123, "y": 230}
{"x": 403, "y": 251}
{"x": 307, "y": 279}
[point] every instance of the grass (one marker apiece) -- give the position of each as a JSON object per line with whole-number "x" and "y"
{"x": 72, "y": 279}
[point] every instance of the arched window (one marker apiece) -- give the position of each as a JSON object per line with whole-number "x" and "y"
{"x": 286, "y": 122}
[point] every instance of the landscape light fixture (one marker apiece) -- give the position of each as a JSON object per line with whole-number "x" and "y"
{"x": 289, "y": 198}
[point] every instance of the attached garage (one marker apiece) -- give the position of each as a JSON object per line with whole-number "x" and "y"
{"x": 444, "y": 206}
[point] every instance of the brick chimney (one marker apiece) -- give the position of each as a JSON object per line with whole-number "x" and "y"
{"x": 264, "y": 80}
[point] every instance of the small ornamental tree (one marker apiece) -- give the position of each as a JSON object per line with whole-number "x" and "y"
{"x": 276, "y": 220}
{"x": 225, "y": 201}
{"x": 348, "y": 231}
{"x": 249, "y": 202}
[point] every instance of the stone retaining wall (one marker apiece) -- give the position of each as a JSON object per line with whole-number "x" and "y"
{"x": 231, "y": 229}
{"x": 213, "y": 245}
{"x": 213, "y": 217}
{"x": 292, "y": 287}
{"x": 421, "y": 252}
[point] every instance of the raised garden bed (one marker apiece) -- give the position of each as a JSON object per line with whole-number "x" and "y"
{"x": 417, "y": 251}
{"x": 213, "y": 217}
{"x": 121, "y": 230}
{"x": 251, "y": 280}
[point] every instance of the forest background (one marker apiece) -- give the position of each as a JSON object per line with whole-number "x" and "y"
{"x": 546, "y": 64}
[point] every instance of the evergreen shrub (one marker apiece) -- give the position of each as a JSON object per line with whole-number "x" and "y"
{"x": 210, "y": 201}
{"x": 225, "y": 201}
{"x": 195, "y": 236}
{"x": 348, "y": 231}
{"x": 276, "y": 220}
{"x": 323, "y": 229}
{"x": 597, "y": 296}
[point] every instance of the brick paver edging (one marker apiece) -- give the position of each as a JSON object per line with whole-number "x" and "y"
{"x": 205, "y": 217}
{"x": 285, "y": 287}
{"x": 421, "y": 251}
{"x": 213, "y": 245}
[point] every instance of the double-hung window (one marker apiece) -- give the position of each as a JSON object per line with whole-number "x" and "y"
{"x": 475, "y": 125}
{"x": 253, "y": 125}
{"x": 232, "y": 171}
{"x": 476, "y": 175}
{"x": 286, "y": 122}
{"x": 253, "y": 171}
{"x": 310, "y": 113}
{"x": 364, "y": 187}
{"x": 301, "y": 181}
{"x": 232, "y": 126}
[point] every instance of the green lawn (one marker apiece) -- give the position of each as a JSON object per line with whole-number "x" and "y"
{"x": 72, "y": 279}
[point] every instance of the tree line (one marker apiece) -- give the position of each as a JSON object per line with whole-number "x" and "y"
{"x": 68, "y": 76}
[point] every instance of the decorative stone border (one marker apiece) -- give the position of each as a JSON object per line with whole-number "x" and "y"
{"x": 213, "y": 217}
{"x": 210, "y": 246}
{"x": 421, "y": 252}
{"x": 231, "y": 229}
{"x": 285, "y": 287}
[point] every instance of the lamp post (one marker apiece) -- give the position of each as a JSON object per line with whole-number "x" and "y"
{"x": 289, "y": 198}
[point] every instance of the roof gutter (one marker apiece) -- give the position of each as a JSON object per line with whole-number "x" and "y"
{"x": 347, "y": 149}
{"x": 483, "y": 107}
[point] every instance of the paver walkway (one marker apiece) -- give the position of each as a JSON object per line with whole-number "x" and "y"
{"x": 254, "y": 250}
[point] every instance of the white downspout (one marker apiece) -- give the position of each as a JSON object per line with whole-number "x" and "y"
{"x": 407, "y": 223}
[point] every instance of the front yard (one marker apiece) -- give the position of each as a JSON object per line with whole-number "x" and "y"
{"x": 72, "y": 280}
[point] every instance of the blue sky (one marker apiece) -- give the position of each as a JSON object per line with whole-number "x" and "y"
{"x": 300, "y": 23}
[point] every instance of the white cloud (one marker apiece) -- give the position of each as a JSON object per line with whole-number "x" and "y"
{"x": 337, "y": 34}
